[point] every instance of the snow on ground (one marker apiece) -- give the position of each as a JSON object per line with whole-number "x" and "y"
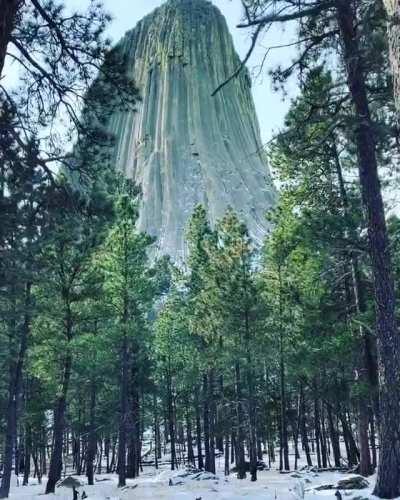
{"x": 155, "y": 484}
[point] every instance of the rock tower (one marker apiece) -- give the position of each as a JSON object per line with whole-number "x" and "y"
{"x": 183, "y": 146}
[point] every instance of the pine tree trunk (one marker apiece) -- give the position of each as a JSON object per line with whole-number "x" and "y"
{"x": 351, "y": 448}
{"x": 37, "y": 469}
{"x": 259, "y": 448}
{"x": 55, "y": 469}
{"x": 171, "y": 424}
{"x": 157, "y": 440}
{"x": 252, "y": 424}
{"x": 92, "y": 444}
{"x": 253, "y": 441}
{"x": 206, "y": 424}
{"x": 43, "y": 449}
{"x": 220, "y": 414}
{"x": 13, "y": 395}
{"x": 190, "y": 453}
{"x": 56, "y": 461}
{"x": 284, "y": 453}
{"x": 372, "y": 439}
{"x": 130, "y": 456}
{"x": 134, "y": 441}
{"x": 251, "y": 401}
{"x": 226, "y": 455}
{"x": 365, "y": 468}
{"x": 9, "y": 441}
{"x": 123, "y": 416}
{"x": 100, "y": 457}
{"x": 324, "y": 451}
{"x": 365, "y": 365}
{"x": 283, "y": 420}
{"x": 136, "y": 411}
{"x": 365, "y": 377}
{"x": 113, "y": 454}
{"x": 212, "y": 416}
{"x": 27, "y": 459}
{"x": 239, "y": 450}
{"x": 317, "y": 427}
{"x": 107, "y": 453}
{"x": 388, "y": 480}
{"x": 198, "y": 435}
{"x": 303, "y": 428}
{"x": 334, "y": 437}
{"x": 8, "y": 9}
{"x": 76, "y": 451}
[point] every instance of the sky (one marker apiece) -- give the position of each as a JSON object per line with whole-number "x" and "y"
{"x": 271, "y": 107}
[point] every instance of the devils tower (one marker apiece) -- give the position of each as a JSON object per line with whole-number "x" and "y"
{"x": 182, "y": 146}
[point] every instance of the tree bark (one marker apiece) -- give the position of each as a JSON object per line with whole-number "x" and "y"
{"x": 55, "y": 469}
{"x": 9, "y": 10}
{"x": 157, "y": 437}
{"x": 334, "y": 437}
{"x": 351, "y": 448}
{"x": 206, "y": 424}
{"x": 226, "y": 455}
{"x": 107, "y": 453}
{"x": 198, "y": 435}
{"x": 365, "y": 365}
{"x": 212, "y": 415}
{"x": 372, "y": 439}
{"x": 13, "y": 396}
{"x": 27, "y": 459}
{"x": 239, "y": 450}
{"x": 190, "y": 452}
{"x": 283, "y": 420}
{"x": 317, "y": 427}
{"x": 303, "y": 428}
{"x": 388, "y": 479}
{"x": 284, "y": 445}
{"x": 324, "y": 451}
{"x": 123, "y": 417}
{"x": 56, "y": 461}
{"x": 137, "y": 435}
{"x": 92, "y": 444}
{"x": 365, "y": 468}
{"x": 171, "y": 424}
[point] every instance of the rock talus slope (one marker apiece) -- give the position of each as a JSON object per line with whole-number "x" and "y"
{"x": 183, "y": 146}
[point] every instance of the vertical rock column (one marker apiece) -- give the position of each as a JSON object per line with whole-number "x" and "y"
{"x": 183, "y": 146}
{"x": 393, "y": 10}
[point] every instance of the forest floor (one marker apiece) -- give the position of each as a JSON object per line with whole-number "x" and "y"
{"x": 181, "y": 485}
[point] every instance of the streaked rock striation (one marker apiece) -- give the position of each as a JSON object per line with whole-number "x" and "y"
{"x": 183, "y": 146}
{"x": 393, "y": 11}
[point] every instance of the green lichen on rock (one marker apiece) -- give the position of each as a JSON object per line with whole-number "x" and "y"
{"x": 183, "y": 146}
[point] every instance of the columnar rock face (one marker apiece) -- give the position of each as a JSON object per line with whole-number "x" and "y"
{"x": 393, "y": 10}
{"x": 183, "y": 146}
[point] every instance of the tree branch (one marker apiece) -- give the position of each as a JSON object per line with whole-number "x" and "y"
{"x": 254, "y": 39}
{"x": 281, "y": 18}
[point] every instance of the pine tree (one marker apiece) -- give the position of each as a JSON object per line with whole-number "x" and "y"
{"x": 350, "y": 21}
{"x": 128, "y": 286}
{"x": 77, "y": 51}
{"x": 74, "y": 232}
{"x": 23, "y": 213}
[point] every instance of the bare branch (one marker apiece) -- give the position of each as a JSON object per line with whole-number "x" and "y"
{"x": 254, "y": 39}
{"x": 281, "y": 18}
